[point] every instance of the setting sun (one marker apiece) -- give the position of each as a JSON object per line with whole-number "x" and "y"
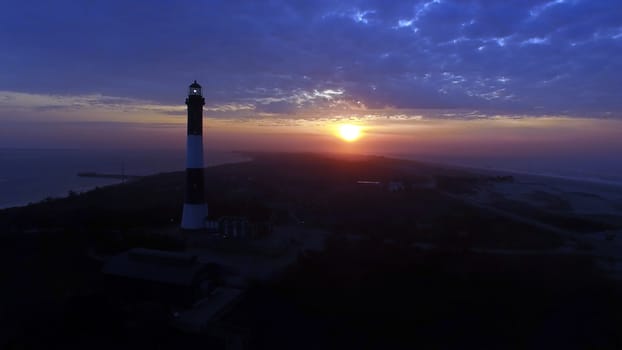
{"x": 349, "y": 132}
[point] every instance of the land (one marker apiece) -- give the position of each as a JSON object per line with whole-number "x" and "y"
{"x": 122, "y": 177}
{"x": 380, "y": 253}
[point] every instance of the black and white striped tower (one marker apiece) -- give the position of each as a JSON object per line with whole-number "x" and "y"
{"x": 195, "y": 208}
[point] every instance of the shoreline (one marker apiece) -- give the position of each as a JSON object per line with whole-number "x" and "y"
{"x": 113, "y": 182}
{"x": 79, "y": 190}
{"x": 505, "y": 171}
{"x": 247, "y": 156}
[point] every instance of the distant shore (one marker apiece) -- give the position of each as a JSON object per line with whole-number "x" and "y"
{"x": 34, "y": 175}
{"x": 604, "y": 180}
{"x": 586, "y": 179}
{"x": 607, "y": 192}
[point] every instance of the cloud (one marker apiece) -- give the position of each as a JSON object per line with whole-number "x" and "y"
{"x": 17, "y": 101}
{"x": 282, "y": 57}
{"x": 12, "y": 103}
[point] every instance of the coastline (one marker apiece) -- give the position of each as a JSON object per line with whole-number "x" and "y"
{"x": 580, "y": 195}
{"x": 596, "y": 180}
{"x": 70, "y": 182}
{"x": 502, "y": 171}
{"x": 61, "y": 193}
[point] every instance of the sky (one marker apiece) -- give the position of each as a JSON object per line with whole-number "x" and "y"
{"x": 446, "y": 77}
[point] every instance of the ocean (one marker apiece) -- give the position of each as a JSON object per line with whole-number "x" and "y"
{"x": 31, "y": 175}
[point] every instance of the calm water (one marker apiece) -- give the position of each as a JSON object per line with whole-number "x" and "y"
{"x": 34, "y": 174}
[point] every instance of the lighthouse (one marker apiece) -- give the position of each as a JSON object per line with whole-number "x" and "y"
{"x": 195, "y": 208}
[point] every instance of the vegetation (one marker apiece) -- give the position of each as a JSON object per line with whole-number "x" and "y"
{"x": 374, "y": 286}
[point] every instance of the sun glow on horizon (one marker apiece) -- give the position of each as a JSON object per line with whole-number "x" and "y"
{"x": 349, "y": 132}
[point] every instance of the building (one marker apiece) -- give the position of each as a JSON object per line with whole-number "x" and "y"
{"x": 195, "y": 208}
{"x": 171, "y": 278}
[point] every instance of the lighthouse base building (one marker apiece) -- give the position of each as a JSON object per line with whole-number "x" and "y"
{"x": 194, "y": 216}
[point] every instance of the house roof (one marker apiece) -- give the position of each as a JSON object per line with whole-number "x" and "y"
{"x": 176, "y": 268}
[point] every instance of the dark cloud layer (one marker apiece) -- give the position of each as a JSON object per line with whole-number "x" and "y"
{"x": 527, "y": 56}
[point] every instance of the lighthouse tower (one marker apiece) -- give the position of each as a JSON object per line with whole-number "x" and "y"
{"x": 195, "y": 208}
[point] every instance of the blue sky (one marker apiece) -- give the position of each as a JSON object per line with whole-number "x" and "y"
{"x": 127, "y": 63}
{"x": 534, "y": 57}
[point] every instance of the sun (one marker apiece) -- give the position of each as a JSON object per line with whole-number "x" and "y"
{"x": 349, "y": 132}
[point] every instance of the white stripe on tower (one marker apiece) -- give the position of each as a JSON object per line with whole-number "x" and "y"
{"x": 194, "y": 156}
{"x": 193, "y": 216}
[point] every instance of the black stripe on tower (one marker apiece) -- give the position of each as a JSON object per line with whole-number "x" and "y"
{"x": 195, "y": 114}
{"x": 195, "y": 190}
